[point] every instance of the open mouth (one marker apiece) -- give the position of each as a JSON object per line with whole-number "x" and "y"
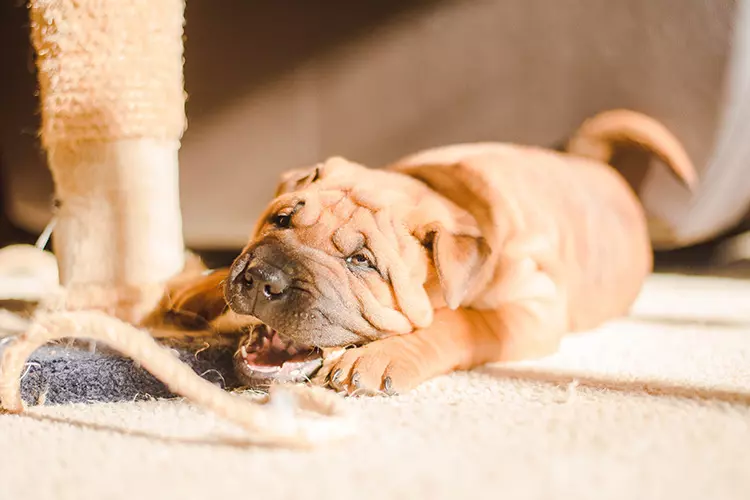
{"x": 263, "y": 358}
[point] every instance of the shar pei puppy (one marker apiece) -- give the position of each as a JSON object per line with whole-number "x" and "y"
{"x": 445, "y": 260}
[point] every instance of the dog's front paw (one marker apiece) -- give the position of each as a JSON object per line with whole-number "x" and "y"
{"x": 381, "y": 367}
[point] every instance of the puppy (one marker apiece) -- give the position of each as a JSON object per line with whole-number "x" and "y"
{"x": 445, "y": 260}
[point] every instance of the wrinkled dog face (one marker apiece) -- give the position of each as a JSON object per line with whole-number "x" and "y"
{"x": 345, "y": 255}
{"x": 332, "y": 263}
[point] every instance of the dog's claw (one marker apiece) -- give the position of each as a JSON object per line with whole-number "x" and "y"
{"x": 379, "y": 368}
{"x": 336, "y": 376}
{"x": 388, "y": 386}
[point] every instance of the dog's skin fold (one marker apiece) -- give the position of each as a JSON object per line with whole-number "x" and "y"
{"x": 447, "y": 259}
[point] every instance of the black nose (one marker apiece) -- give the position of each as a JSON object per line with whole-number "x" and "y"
{"x": 267, "y": 279}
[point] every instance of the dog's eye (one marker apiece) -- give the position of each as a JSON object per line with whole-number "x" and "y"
{"x": 282, "y": 220}
{"x": 360, "y": 259}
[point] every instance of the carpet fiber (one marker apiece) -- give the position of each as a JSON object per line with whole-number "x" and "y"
{"x": 650, "y": 407}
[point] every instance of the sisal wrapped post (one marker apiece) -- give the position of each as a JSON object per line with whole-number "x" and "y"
{"x": 111, "y": 84}
{"x": 113, "y": 113}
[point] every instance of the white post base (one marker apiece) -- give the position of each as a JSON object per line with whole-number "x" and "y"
{"x": 118, "y": 236}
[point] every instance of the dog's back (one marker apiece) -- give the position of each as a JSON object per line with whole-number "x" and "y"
{"x": 588, "y": 223}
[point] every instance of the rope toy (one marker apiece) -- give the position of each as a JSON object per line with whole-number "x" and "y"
{"x": 271, "y": 424}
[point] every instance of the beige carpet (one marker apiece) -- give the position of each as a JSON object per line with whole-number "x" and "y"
{"x": 653, "y": 407}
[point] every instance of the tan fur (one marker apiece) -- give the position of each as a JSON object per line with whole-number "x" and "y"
{"x": 597, "y": 137}
{"x": 485, "y": 252}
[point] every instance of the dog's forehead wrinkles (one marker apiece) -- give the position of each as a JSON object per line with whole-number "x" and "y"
{"x": 285, "y": 201}
{"x": 396, "y": 232}
{"x": 346, "y": 240}
{"x": 343, "y": 208}
{"x": 358, "y": 231}
{"x": 330, "y": 197}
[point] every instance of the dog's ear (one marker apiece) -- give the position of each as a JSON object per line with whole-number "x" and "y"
{"x": 300, "y": 178}
{"x": 458, "y": 257}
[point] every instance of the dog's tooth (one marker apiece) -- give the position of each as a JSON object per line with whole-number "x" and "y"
{"x": 243, "y": 351}
{"x": 278, "y": 343}
{"x": 255, "y": 336}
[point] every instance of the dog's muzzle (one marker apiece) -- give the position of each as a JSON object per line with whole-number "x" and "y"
{"x": 260, "y": 281}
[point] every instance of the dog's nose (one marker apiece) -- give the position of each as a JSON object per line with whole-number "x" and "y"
{"x": 267, "y": 279}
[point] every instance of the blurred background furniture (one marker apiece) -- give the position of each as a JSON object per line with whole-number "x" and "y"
{"x": 276, "y": 85}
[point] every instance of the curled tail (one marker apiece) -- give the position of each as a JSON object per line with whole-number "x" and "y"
{"x": 598, "y": 135}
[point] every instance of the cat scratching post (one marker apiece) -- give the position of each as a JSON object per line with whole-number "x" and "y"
{"x": 112, "y": 103}
{"x": 110, "y": 75}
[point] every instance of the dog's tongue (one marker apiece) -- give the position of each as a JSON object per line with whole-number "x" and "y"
{"x": 263, "y": 358}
